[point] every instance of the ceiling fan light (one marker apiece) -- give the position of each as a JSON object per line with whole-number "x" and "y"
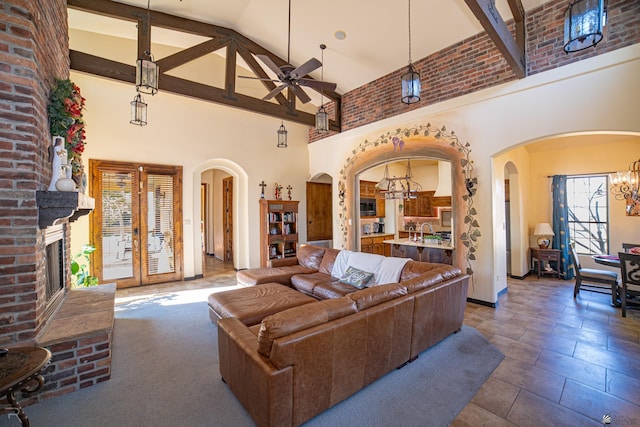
{"x": 322, "y": 120}
{"x": 282, "y": 136}
{"x": 138, "y": 111}
{"x": 410, "y": 86}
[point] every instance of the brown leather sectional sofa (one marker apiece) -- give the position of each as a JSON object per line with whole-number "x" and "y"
{"x": 301, "y": 361}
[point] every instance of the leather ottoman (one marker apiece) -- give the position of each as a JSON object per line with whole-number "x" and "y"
{"x": 252, "y": 304}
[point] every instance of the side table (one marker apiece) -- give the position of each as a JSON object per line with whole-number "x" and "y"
{"x": 549, "y": 255}
{"x": 20, "y": 370}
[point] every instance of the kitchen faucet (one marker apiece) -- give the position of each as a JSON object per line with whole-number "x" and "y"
{"x": 412, "y": 228}
{"x": 421, "y": 232}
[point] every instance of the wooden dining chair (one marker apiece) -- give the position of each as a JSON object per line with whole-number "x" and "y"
{"x": 630, "y": 285}
{"x": 593, "y": 279}
{"x": 627, "y": 246}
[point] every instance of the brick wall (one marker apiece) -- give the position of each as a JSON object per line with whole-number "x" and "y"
{"x": 33, "y": 51}
{"x": 475, "y": 63}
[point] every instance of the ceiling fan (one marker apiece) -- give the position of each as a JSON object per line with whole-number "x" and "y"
{"x": 293, "y": 77}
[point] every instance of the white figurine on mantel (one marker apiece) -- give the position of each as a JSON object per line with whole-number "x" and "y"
{"x": 60, "y": 172}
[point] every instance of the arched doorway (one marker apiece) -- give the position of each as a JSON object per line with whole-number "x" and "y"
{"x": 225, "y": 168}
{"x": 419, "y": 141}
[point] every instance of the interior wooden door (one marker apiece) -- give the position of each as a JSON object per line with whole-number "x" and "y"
{"x": 319, "y": 211}
{"x": 227, "y": 217}
{"x": 136, "y": 225}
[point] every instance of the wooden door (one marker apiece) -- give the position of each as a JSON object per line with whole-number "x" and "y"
{"x": 136, "y": 225}
{"x": 227, "y": 217}
{"x": 319, "y": 211}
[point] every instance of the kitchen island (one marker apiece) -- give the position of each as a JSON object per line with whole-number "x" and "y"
{"x": 428, "y": 250}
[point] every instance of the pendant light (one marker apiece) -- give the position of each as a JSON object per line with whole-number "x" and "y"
{"x": 147, "y": 71}
{"x": 282, "y": 136}
{"x": 322, "y": 117}
{"x": 583, "y": 24}
{"x": 411, "y": 79}
{"x": 138, "y": 111}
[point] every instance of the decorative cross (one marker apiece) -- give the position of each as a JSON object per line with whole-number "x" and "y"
{"x": 278, "y": 190}
{"x": 262, "y": 184}
{"x": 289, "y": 188}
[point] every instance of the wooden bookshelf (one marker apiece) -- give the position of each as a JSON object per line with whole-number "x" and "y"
{"x": 278, "y": 230}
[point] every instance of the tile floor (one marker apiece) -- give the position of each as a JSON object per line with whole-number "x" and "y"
{"x": 568, "y": 362}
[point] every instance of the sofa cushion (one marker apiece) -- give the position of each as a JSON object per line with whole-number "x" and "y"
{"x": 300, "y": 318}
{"x": 416, "y": 268}
{"x": 332, "y": 289}
{"x": 370, "y": 297}
{"x": 356, "y": 278}
{"x": 423, "y": 281}
{"x": 310, "y": 256}
{"x": 306, "y": 282}
{"x": 282, "y": 275}
{"x": 329, "y": 258}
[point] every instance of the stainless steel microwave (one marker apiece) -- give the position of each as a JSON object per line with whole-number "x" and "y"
{"x": 367, "y": 207}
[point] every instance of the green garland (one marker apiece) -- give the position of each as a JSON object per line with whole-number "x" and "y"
{"x": 65, "y": 120}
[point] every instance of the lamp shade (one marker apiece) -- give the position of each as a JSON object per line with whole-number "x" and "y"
{"x": 410, "y": 86}
{"x": 147, "y": 73}
{"x": 543, "y": 231}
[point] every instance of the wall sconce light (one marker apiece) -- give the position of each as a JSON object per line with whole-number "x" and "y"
{"x": 282, "y": 136}
{"x": 138, "y": 111}
{"x": 624, "y": 185}
{"x": 543, "y": 231}
{"x": 583, "y": 24}
{"x": 411, "y": 79}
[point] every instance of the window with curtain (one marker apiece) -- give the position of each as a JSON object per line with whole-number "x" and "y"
{"x": 588, "y": 213}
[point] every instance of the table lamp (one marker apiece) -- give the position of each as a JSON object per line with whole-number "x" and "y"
{"x": 543, "y": 231}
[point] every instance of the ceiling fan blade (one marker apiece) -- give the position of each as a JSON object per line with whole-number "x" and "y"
{"x": 317, "y": 84}
{"x": 301, "y": 94}
{"x": 258, "y": 78}
{"x": 305, "y": 68}
{"x": 272, "y": 65}
{"x": 274, "y": 92}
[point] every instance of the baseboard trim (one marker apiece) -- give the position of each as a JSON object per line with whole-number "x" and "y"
{"x": 504, "y": 291}
{"x": 520, "y": 277}
{"x": 485, "y": 303}
{"x": 197, "y": 276}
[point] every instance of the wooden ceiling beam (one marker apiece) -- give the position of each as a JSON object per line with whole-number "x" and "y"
{"x": 485, "y": 11}
{"x": 219, "y": 37}
{"x": 194, "y": 52}
{"x": 110, "y": 69}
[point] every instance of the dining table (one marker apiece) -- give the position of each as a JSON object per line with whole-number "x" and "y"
{"x": 608, "y": 260}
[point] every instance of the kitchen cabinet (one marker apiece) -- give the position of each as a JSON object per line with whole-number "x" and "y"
{"x": 375, "y": 245}
{"x": 425, "y": 204}
{"x": 368, "y": 189}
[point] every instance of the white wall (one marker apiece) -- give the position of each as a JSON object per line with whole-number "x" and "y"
{"x": 600, "y": 94}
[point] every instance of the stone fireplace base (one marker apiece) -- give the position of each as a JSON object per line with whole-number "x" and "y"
{"x": 79, "y": 336}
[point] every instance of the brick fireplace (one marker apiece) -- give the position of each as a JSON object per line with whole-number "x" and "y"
{"x": 37, "y": 306}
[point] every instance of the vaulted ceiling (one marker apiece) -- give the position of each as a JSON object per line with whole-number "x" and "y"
{"x": 376, "y": 39}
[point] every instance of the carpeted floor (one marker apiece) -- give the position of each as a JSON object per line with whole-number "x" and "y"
{"x": 165, "y": 373}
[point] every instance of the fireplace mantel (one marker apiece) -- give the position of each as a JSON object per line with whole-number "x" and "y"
{"x": 55, "y": 205}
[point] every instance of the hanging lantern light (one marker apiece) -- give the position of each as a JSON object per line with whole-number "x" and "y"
{"x": 322, "y": 120}
{"x": 322, "y": 117}
{"x": 584, "y": 21}
{"x": 138, "y": 111}
{"x": 282, "y": 136}
{"x": 411, "y": 79}
{"x": 147, "y": 71}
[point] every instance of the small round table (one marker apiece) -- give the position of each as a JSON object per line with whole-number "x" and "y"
{"x": 20, "y": 370}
